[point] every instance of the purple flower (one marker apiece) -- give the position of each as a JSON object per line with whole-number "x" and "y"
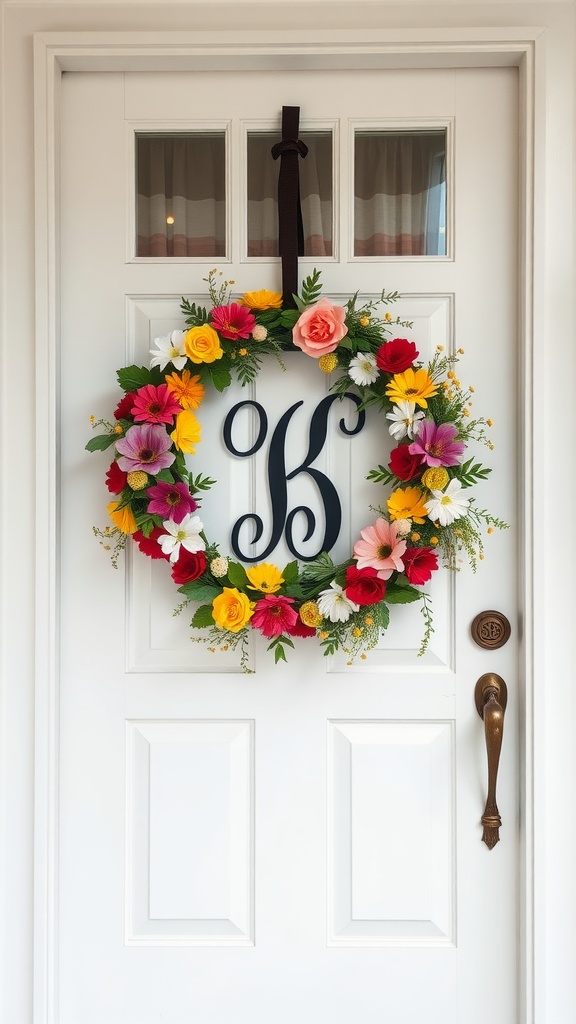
{"x": 436, "y": 445}
{"x": 171, "y": 501}
{"x": 146, "y": 448}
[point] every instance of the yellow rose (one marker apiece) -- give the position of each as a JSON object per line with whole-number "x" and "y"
{"x": 187, "y": 431}
{"x": 123, "y": 518}
{"x": 231, "y": 610}
{"x": 202, "y": 344}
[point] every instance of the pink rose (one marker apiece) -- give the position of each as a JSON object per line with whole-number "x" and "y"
{"x": 320, "y": 328}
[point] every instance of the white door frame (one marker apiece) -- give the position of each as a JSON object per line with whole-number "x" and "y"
{"x": 544, "y": 54}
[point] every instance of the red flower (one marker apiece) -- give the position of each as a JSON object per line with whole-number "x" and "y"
{"x": 123, "y": 410}
{"x": 274, "y": 614}
{"x": 116, "y": 479}
{"x": 419, "y": 564}
{"x": 396, "y": 356}
{"x": 155, "y": 405}
{"x": 149, "y": 545}
{"x": 190, "y": 565}
{"x": 403, "y": 464}
{"x": 233, "y": 321}
{"x": 301, "y": 629}
{"x": 364, "y": 586}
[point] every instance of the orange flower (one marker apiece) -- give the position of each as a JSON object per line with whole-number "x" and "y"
{"x": 123, "y": 518}
{"x": 187, "y": 389}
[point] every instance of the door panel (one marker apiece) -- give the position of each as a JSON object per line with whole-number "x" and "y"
{"x": 300, "y": 845}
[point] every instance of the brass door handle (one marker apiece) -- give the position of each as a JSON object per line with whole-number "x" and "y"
{"x": 491, "y": 697}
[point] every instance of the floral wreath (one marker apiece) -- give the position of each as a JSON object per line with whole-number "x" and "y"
{"x": 157, "y": 499}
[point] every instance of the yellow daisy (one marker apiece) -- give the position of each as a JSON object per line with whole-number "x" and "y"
{"x": 265, "y": 577}
{"x": 412, "y": 386}
{"x": 186, "y": 388}
{"x": 407, "y": 503}
{"x": 262, "y": 299}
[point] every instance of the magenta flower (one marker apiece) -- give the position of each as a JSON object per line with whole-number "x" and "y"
{"x": 145, "y": 447}
{"x": 273, "y": 615}
{"x": 171, "y": 501}
{"x": 436, "y": 445}
{"x": 380, "y": 548}
{"x": 155, "y": 405}
{"x": 233, "y": 321}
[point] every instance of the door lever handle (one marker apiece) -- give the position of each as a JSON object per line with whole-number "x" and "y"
{"x": 491, "y": 697}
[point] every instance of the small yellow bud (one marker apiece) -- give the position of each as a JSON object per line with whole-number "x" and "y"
{"x": 451, "y": 375}
{"x": 489, "y": 423}
{"x": 490, "y": 529}
{"x": 388, "y": 318}
{"x": 118, "y": 429}
{"x": 357, "y": 631}
{"x": 465, "y": 412}
{"x": 461, "y": 351}
{"x": 369, "y": 620}
{"x": 323, "y": 634}
{"x": 328, "y": 362}
{"x": 433, "y": 540}
{"x": 415, "y": 537}
{"x": 364, "y": 320}
{"x": 363, "y": 656}
{"x": 243, "y": 351}
{"x": 92, "y": 419}
{"x": 440, "y": 348}
{"x": 472, "y": 389}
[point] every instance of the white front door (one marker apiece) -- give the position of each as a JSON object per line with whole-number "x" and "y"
{"x": 300, "y": 845}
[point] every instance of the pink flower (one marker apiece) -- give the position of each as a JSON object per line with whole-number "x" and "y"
{"x": 380, "y": 548}
{"x": 233, "y": 321}
{"x": 145, "y": 447}
{"x": 171, "y": 501}
{"x": 419, "y": 564}
{"x": 436, "y": 445}
{"x": 320, "y": 328}
{"x": 274, "y": 614}
{"x": 155, "y": 405}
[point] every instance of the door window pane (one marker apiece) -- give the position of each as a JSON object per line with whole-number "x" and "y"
{"x": 315, "y": 194}
{"x": 400, "y": 193}
{"x": 181, "y": 200}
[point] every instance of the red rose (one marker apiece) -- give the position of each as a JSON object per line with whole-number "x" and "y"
{"x": 124, "y": 407}
{"x": 189, "y": 566}
{"x": 403, "y": 464}
{"x": 364, "y": 586}
{"x": 116, "y": 479}
{"x": 396, "y": 356}
{"x": 149, "y": 545}
{"x": 419, "y": 564}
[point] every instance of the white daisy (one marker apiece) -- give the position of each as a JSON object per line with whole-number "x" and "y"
{"x": 363, "y": 369}
{"x": 334, "y": 605}
{"x": 404, "y": 420}
{"x": 185, "y": 534}
{"x": 446, "y": 506}
{"x": 170, "y": 350}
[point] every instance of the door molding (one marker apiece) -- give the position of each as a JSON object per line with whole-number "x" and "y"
{"x": 526, "y": 48}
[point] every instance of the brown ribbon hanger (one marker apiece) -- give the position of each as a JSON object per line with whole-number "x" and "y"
{"x": 290, "y": 229}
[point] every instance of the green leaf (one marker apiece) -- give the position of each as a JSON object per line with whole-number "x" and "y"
{"x": 203, "y": 617}
{"x": 290, "y": 572}
{"x": 165, "y": 476}
{"x": 311, "y": 288}
{"x": 101, "y": 442}
{"x": 401, "y": 595}
{"x": 220, "y": 376}
{"x": 383, "y": 616}
{"x": 199, "y": 590}
{"x": 469, "y": 474}
{"x": 279, "y": 654}
{"x": 237, "y": 574}
{"x": 380, "y": 476}
{"x": 130, "y": 378}
{"x": 200, "y": 483}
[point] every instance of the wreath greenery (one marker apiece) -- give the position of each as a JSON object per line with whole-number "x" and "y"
{"x": 427, "y": 518}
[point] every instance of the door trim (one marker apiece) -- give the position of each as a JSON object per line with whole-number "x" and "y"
{"x": 57, "y": 52}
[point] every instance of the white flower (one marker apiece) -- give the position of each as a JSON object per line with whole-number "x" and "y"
{"x": 404, "y": 420}
{"x": 403, "y": 527}
{"x": 260, "y": 333}
{"x": 363, "y": 369}
{"x": 446, "y": 506}
{"x": 185, "y": 534}
{"x": 334, "y": 605}
{"x": 170, "y": 350}
{"x": 219, "y": 567}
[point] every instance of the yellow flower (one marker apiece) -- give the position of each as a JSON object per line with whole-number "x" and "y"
{"x": 123, "y": 518}
{"x": 187, "y": 431}
{"x": 137, "y": 480}
{"x": 435, "y": 478}
{"x": 118, "y": 429}
{"x": 187, "y": 389}
{"x": 231, "y": 610}
{"x": 433, "y": 540}
{"x": 407, "y": 503}
{"x": 265, "y": 577}
{"x": 328, "y": 362}
{"x": 415, "y": 537}
{"x": 489, "y": 423}
{"x": 262, "y": 300}
{"x": 369, "y": 620}
{"x": 412, "y": 386}
{"x": 364, "y": 321}
{"x": 202, "y": 344}
{"x": 310, "y": 614}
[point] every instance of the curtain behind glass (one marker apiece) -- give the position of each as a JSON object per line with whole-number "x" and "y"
{"x": 181, "y": 206}
{"x": 399, "y": 194}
